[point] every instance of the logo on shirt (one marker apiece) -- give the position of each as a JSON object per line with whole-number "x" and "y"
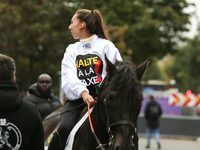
{"x": 10, "y": 136}
{"x": 89, "y": 69}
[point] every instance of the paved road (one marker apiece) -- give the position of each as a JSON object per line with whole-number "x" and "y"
{"x": 171, "y": 144}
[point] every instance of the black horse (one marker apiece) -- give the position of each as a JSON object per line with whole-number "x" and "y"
{"x": 115, "y": 114}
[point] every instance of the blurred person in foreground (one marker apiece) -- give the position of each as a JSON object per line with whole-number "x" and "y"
{"x": 20, "y": 123}
{"x": 153, "y": 112}
{"x": 40, "y": 94}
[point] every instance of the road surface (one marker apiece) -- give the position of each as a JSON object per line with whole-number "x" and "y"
{"x": 171, "y": 144}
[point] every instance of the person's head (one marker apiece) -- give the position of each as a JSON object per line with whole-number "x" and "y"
{"x": 7, "y": 68}
{"x": 86, "y": 23}
{"x": 44, "y": 83}
{"x": 151, "y": 98}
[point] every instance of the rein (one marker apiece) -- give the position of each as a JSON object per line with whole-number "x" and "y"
{"x": 109, "y": 125}
{"x": 63, "y": 112}
{"x": 100, "y": 146}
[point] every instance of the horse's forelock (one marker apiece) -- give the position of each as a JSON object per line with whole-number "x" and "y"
{"x": 125, "y": 76}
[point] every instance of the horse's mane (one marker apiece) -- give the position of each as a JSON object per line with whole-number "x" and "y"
{"x": 124, "y": 75}
{"x": 124, "y": 84}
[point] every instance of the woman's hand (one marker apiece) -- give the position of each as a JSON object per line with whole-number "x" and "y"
{"x": 87, "y": 98}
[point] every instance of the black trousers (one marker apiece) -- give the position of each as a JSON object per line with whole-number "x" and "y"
{"x": 70, "y": 115}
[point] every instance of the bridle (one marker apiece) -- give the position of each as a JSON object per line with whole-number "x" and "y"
{"x": 109, "y": 126}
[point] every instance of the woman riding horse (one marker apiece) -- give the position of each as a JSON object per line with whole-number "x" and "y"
{"x": 115, "y": 114}
{"x": 83, "y": 69}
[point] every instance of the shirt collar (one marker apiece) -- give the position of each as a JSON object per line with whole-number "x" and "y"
{"x": 87, "y": 40}
{"x": 87, "y": 43}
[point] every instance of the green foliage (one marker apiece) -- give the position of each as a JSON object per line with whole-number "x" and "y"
{"x": 34, "y": 32}
{"x": 185, "y": 67}
{"x": 158, "y": 27}
{"x": 36, "y": 36}
{"x": 154, "y": 71}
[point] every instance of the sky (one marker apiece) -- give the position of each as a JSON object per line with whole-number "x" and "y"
{"x": 195, "y": 18}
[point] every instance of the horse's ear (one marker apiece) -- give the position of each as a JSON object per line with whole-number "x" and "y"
{"x": 110, "y": 67}
{"x": 141, "y": 69}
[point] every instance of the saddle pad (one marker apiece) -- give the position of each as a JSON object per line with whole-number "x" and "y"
{"x": 70, "y": 139}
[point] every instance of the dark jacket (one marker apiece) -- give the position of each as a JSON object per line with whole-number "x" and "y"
{"x": 152, "y": 121}
{"x": 20, "y": 123}
{"x": 45, "y": 104}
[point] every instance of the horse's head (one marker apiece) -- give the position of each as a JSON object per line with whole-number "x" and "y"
{"x": 122, "y": 98}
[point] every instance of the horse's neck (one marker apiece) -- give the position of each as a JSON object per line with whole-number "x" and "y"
{"x": 99, "y": 122}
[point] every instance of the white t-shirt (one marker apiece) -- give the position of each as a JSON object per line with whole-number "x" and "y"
{"x": 84, "y": 64}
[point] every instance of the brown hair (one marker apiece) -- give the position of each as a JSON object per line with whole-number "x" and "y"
{"x": 7, "y": 67}
{"x": 93, "y": 20}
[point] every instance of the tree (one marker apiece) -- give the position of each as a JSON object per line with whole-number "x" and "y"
{"x": 143, "y": 28}
{"x": 157, "y": 29}
{"x": 185, "y": 67}
{"x": 35, "y": 32}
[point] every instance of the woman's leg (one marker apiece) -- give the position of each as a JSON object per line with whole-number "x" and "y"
{"x": 70, "y": 114}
